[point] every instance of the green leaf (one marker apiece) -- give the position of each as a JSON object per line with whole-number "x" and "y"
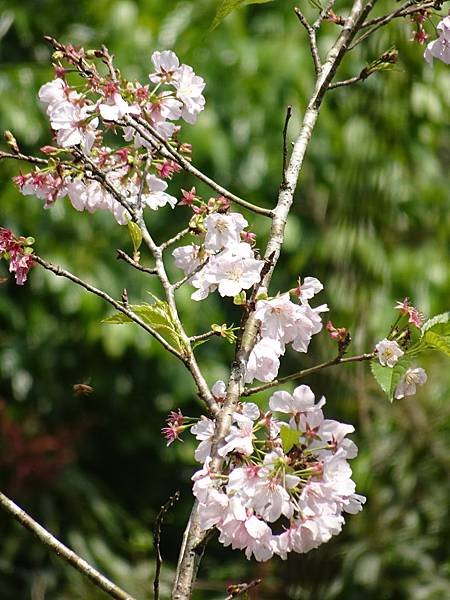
{"x": 435, "y": 336}
{"x": 387, "y": 377}
{"x": 136, "y": 235}
{"x": 227, "y": 6}
{"x": 157, "y": 316}
{"x": 438, "y": 338}
{"x": 289, "y": 437}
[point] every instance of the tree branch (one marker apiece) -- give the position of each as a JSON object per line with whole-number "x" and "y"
{"x": 305, "y": 372}
{"x": 150, "y": 134}
{"x": 31, "y": 159}
{"x": 117, "y": 305}
{"x": 195, "y": 538}
{"x": 61, "y": 550}
{"x": 176, "y": 238}
{"x": 312, "y": 40}
{"x": 323, "y": 14}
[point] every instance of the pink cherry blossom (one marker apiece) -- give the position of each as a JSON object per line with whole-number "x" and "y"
{"x": 189, "y": 88}
{"x": 388, "y": 352}
{"x": 167, "y": 67}
{"x": 440, "y": 48}
{"x": 407, "y": 385}
{"x": 264, "y": 361}
{"x": 223, "y": 230}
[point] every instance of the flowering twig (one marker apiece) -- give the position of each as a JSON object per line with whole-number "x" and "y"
{"x": 312, "y": 39}
{"x": 305, "y": 372}
{"x": 157, "y": 540}
{"x": 61, "y": 550}
{"x": 324, "y": 13}
{"x": 117, "y": 305}
{"x": 124, "y": 256}
{"x": 149, "y": 134}
{"x": 194, "y": 538}
{"x": 31, "y": 159}
{"x": 410, "y": 7}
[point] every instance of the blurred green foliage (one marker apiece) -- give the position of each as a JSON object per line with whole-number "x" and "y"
{"x": 371, "y": 220}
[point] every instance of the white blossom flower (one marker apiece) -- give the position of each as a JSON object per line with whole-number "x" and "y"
{"x": 189, "y": 88}
{"x": 155, "y": 197}
{"x": 187, "y": 258}
{"x": 115, "y": 108}
{"x": 407, "y": 385}
{"x": 167, "y": 67}
{"x": 440, "y": 48}
{"x": 223, "y": 230}
{"x": 233, "y": 270}
{"x": 74, "y": 125}
{"x": 301, "y": 400}
{"x": 388, "y": 352}
{"x": 264, "y": 361}
{"x": 309, "y": 288}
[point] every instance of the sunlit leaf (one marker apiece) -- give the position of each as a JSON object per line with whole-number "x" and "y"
{"x": 289, "y": 437}
{"x": 157, "y": 315}
{"x": 227, "y": 6}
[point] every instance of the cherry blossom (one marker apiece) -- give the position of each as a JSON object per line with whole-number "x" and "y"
{"x": 388, "y": 352}
{"x": 264, "y": 361}
{"x": 440, "y": 48}
{"x": 189, "y": 88}
{"x": 223, "y": 230}
{"x": 409, "y": 382}
{"x": 167, "y": 67}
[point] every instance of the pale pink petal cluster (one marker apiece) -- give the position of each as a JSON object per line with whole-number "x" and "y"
{"x": 407, "y": 385}
{"x": 231, "y": 266}
{"x": 388, "y": 352}
{"x": 440, "y": 48}
{"x": 271, "y": 501}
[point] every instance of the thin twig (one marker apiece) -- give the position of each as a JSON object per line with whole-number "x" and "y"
{"x": 31, "y": 159}
{"x": 410, "y": 7}
{"x": 285, "y": 142}
{"x": 61, "y": 550}
{"x": 117, "y": 305}
{"x": 305, "y": 372}
{"x": 157, "y": 540}
{"x": 124, "y": 256}
{"x": 312, "y": 40}
{"x": 204, "y": 336}
{"x": 150, "y": 134}
{"x": 323, "y": 14}
{"x": 190, "y": 275}
{"x": 176, "y": 238}
{"x": 241, "y": 588}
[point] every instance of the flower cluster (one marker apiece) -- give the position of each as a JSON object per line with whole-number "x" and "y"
{"x": 440, "y": 48}
{"x": 285, "y": 485}
{"x": 18, "y": 252}
{"x": 389, "y": 352}
{"x": 229, "y": 264}
{"x": 79, "y": 116}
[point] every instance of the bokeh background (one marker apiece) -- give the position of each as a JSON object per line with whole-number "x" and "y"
{"x": 371, "y": 220}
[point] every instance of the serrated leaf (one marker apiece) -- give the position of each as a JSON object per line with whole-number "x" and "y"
{"x": 387, "y": 377}
{"x": 227, "y": 6}
{"x": 157, "y": 316}
{"x": 136, "y": 235}
{"x": 442, "y": 318}
{"x": 435, "y": 336}
{"x": 289, "y": 437}
{"x": 438, "y": 337}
